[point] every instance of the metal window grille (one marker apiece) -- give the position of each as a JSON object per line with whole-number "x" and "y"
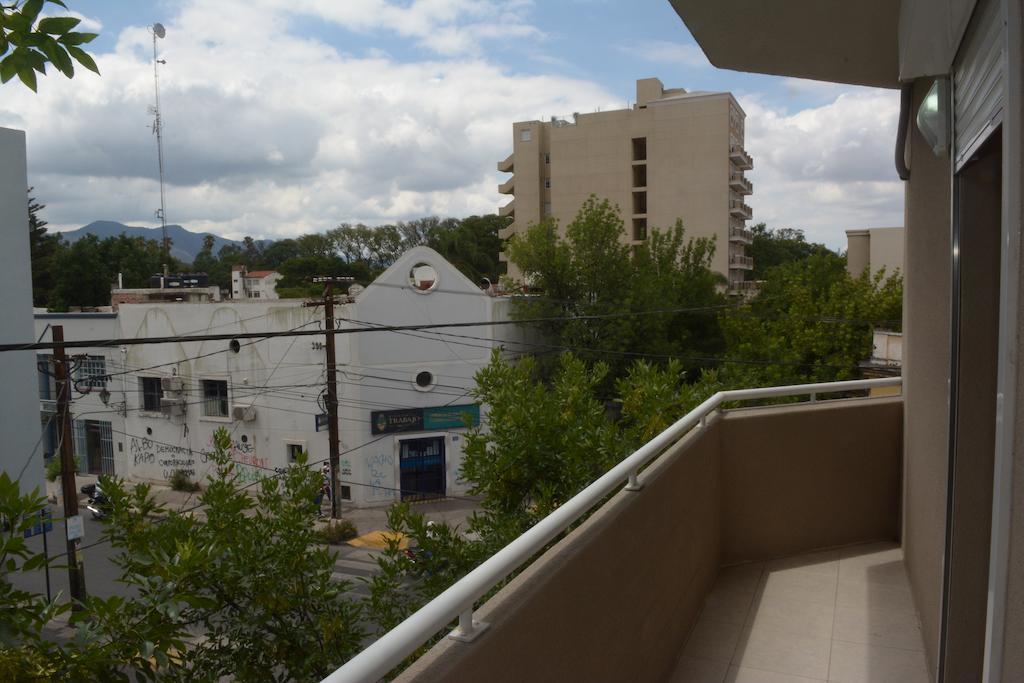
{"x": 151, "y": 391}
{"x": 215, "y": 398}
{"x": 91, "y": 372}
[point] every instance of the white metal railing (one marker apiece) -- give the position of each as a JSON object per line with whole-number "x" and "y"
{"x": 457, "y": 601}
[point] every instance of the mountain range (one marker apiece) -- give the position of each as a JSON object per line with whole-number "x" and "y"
{"x": 185, "y": 244}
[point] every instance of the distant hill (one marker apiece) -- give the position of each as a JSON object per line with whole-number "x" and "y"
{"x": 185, "y": 244}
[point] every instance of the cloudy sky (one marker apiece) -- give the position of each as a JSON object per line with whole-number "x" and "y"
{"x": 291, "y": 116}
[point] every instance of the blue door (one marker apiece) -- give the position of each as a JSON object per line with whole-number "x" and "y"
{"x": 421, "y": 465}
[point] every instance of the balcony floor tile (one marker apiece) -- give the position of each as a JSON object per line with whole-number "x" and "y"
{"x": 842, "y": 616}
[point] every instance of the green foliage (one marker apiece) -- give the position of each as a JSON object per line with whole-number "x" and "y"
{"x": 336, "y": 531}
{"x": 590, "y": 272}
{"x": 244, "y": 592}
{"x": 812, "y": 322}
{"x": 180, "y": 481}
{"x": 771, "y": 248}
{"x": 43, "y": 248}
{"x": 403, "y": 585}
{"x": 53, "y": 467}
{"x": 28, "y": 43}
{"x": 544, "y": 444}
{"x": 654, "y": 396}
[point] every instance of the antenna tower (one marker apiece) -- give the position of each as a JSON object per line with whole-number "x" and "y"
{"x": 158, "y": 31}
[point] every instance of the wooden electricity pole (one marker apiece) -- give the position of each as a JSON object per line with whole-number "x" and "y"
{"x": 76, "y": 570}
{"x": 333, "y": 438}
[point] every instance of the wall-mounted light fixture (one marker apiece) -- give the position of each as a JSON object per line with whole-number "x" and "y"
{"x": 933, "y": 118}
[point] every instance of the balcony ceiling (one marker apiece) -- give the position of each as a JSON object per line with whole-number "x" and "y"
{"x": 825, "y": 40}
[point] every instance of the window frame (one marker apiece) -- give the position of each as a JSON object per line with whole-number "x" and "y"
{"x": 224, "y": 400}
{"x": 158, "y": 381}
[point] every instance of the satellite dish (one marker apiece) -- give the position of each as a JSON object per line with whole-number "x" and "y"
{"x": 159, "y": 30}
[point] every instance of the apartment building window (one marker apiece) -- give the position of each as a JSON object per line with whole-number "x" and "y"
{"x": 346, "y": 492}
{"x": 294, "y": 451}
{"x": 547, "y": 209}
{"x": 91, "y": 372}
{"x": 639, "y": 149}
{"x": 151, "y": 392}
{"x": 639, "y": 202}
{"x": 525, "y": 135}
{"x": 639, "y": 228}
{"x": 215, "y": 398}
{"x": 547, "y": 158}
{"x": 547, "y": 183}
{"x": 640, "y": 176}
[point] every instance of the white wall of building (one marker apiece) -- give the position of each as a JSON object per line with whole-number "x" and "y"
{"x": 19, "y": 427}
{"x": 282, "y": 379}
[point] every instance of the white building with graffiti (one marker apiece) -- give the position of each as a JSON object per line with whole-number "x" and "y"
{"x": 404, "y": 396}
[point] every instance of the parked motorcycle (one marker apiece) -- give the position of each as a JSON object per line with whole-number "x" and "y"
{"x": 98, "y": 503}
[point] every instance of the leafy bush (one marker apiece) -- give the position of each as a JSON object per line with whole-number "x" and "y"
{"x": 336, "y": 531}
{"x": 180, "y": 481}
{"x": 53, "y": 467}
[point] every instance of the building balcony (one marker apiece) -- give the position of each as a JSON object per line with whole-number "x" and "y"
{"x": 741, "y": 235}
{"x": 745, "y": 288}
{"x": 505, "y": 166}
{"x": 507, "y": 187}
{"x": 741, "y": 262}
{"x": 739, "y": 209}
{"x": 506, "y": 232}
{"x": 757, "y": 538}
{"x": 508, "y": 209}
{"x": 740, "y": 184}
{"x": 740, "y": 158}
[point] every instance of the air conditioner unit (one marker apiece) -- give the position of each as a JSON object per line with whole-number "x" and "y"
{"x": 243, "y": 413}
{"x": 172, "y": 406}
{"x": 175, "y": 384}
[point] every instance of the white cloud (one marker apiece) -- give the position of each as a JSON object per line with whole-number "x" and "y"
{"x": 666, "y": 52}
{"x": 85, "y": 25}
{"x": 829, "y": 168}
{"x": 271, "y": 134}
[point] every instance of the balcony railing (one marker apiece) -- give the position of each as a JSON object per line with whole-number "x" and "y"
{"x": 507, "y": 187}
{"x": 739, "y": 261}
{"x": 457, "y": 601}
{"x": 739, "y": 156}
{"x": 739, "y": 209}
{"x": 740, "y": 184}
{"x": 508, "y": 210}
{"x": 737, "y": 234}
{"x": 505, "y": 166}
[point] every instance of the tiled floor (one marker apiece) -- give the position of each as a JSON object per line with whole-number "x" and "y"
{"x": 841, "y": 615}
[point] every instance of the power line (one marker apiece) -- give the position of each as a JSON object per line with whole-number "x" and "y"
{"x": 99, "y": 343}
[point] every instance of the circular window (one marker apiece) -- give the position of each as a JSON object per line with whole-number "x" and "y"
{"x": 423, "y": 277}
{"x": 245, "y": 439}
{"x": 234, "y": 346}
{"x": 424, "y": 380}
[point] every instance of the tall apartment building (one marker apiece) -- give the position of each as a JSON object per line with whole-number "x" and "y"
{"x": 675, "y": 154}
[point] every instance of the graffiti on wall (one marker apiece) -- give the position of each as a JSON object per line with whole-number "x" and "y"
{"x": 380, "y": 470}
{"x": 167, "y": 457}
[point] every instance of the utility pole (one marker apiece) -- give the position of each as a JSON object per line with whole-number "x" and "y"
{"x": 76, "y": 571}
{"x": 333, "y": 438}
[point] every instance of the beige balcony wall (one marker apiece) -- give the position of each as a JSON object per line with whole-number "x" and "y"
{"x": 781, "y": 495}
{"x": 614, "y": 601}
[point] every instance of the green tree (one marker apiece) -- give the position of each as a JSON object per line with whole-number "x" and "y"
{"x": 544, "y": 442}
{"x": 80, "y": 275}
{"x": 43, "y": 247}
{"x": 471, "y": 245}
{"x": 811, "y": 322}
{"x": 28, "y": 43}
{"x": 243, "y": 593}
{"x": 771, "y": 248}
{"x": 585, "y": 281}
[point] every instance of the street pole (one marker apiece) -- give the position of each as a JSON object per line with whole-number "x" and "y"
{"x": 333, "y": 438}
{"x": 76, "y": 570}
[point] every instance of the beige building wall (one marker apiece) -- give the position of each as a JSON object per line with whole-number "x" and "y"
{"x": 667, "y": 158}
{"x": 875, "y": 248}
{"x": 926, "y": 339}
